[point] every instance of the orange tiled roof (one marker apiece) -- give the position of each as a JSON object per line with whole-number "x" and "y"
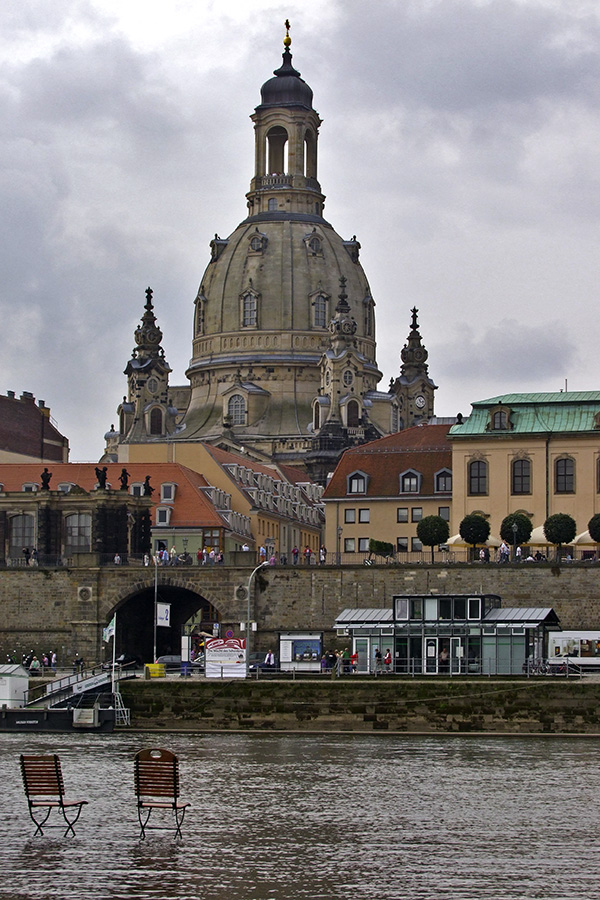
{"x": 424, "y": 448}
{"x": 191, "y": 505}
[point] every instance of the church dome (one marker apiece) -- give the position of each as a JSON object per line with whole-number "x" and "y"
{"x": 287, "y": 88}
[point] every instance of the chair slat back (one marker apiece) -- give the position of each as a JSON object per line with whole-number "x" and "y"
{"x": 42, "y": 776}
{"x": 156, "y": 774}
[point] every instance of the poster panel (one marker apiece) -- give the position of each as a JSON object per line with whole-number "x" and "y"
{"x": 225, "y": 657}
{"x": 163, "y": 614}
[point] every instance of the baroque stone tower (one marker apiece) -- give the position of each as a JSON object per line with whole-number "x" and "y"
{"x": 414, "y": 388}
{"x": 262, "y": 312}
{"x": 146, "y": 413}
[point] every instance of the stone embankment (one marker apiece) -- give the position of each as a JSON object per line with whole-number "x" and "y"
{"x": 542, "y": 705}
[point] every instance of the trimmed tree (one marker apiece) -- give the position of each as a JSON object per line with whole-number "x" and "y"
{"x": 380, "y": 548}
{"x": 560, "y": 529}
{"x": 524, "y": 528}
{"x": 594, "y": 528}
{"x": 433, "y": 530}
{"x": 474, "y": 530}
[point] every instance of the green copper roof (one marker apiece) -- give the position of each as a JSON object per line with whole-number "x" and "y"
{"x": 542, "y": 413}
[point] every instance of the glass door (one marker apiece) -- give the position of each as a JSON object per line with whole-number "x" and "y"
{"x": 456, "y": 655}
{"x": 431, "y": 656}
{"x": 361, "y": 645}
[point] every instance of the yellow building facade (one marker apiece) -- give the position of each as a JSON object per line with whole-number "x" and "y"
{"x": 538, "y": 454}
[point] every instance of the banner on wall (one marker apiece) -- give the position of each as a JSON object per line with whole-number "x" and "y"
{"x": 225, "y": 658}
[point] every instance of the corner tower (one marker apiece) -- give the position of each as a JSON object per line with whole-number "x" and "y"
{"x": 268, "y": 294}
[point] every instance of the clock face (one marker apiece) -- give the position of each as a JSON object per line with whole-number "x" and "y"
{"x": 419, "y": 401}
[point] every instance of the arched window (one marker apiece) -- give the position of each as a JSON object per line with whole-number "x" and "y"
{"x": 368, "y": 308}
{"x": 310, "y": 155}
{"x": 249, "y": 311}
{"x": 22, "y": 535}
{"x": 500, "y": 421}
{"x": 200, "y": 315}
{"x": 236, "y": 409}
{"x": 352, "y": 413}
{"x": 277, "y": 141}
{"x": 156, "y": 421}
{"x": 78, "y": 533}
{"x": 316, "y": 417}
{"x": 521, "y": 476}
{"x": 320, "y": 311}
{"x": 478, "y": 477}
{"x": 564, "y": 476}
{"x": 315, "y": 246}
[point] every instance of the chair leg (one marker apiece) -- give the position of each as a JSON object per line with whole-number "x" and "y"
{"x": 179, "y": 817}
{"x": 38, "y": 824}
{"x": 71, "y": 822}
{"x": 144, "y": 816}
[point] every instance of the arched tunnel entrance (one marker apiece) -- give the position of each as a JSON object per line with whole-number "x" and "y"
{"x": 135, "y": 621}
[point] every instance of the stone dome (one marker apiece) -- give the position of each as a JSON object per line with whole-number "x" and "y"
{"x": 287, "y": 88}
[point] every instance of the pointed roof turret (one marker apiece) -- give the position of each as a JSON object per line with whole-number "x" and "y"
{"x": 148, "y": 335}
{"x": 413, "y": 354}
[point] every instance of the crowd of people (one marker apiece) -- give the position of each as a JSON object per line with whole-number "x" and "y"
{"x": 46, "y": 662}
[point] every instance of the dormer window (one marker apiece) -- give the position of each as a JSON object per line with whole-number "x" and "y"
{"x": 258, "y": 243}
{"x": 167, "y": 492}
{"x": 136, "y": 490}
{"x": 410, "y": 482}
{"x": 319, "y": 305}
{"x": 156, "y": 420}
{"x": 65, "y": 487}
{"x": 236, "y": 409}
{"x": 314, "y": 244}
{"x": 443, "y": 481}
{"x": 499, "y": 419}
{"x": 163, "y": 515}
{"x": 249, "y": 309}
{"x": 357, "y": 483}
{"x": 30, "y": 487}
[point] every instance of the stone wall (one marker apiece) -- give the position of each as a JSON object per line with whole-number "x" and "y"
{"x": 542, "y": 705}
{"x": 66, "y": 609}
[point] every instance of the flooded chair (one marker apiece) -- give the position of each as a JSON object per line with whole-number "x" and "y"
{"x": 45, "y": 791}
{"x": 157, "y": 788}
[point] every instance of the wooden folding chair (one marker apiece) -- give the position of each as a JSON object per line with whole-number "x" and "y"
{"x": 45, "y": 791}
{"x": 157, "y": 787}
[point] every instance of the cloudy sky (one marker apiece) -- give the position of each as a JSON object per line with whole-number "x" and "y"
{"x": 460, "y": 143}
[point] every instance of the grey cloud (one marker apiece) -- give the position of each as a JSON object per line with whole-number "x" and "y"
{"x": 457, "y": 55}
{"x": 510, "y": 352}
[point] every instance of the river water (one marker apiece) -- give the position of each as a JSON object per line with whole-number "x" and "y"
{"x": 286, "y": 817}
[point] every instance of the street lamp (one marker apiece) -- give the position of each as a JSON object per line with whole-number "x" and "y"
{"x": 515, "y": 528}
{"x": 252, "y": 574}
{"x": 155, "y": 599}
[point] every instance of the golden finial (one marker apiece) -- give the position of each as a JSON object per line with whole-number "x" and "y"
{"x": 287, "y": 39}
